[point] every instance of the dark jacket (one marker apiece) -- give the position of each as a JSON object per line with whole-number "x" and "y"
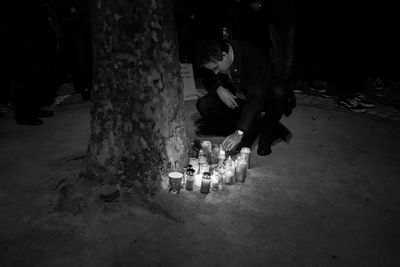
{"x": 250, "y": 73}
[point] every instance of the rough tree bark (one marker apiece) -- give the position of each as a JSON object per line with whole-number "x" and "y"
{"x": 137, "y": 125}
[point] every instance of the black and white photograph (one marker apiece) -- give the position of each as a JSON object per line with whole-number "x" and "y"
{"x": 168, "y": 133}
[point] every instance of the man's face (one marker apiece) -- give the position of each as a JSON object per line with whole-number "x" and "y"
{"x": 219, "y": 66}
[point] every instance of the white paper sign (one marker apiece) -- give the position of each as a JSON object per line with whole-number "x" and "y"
{"x": 189, "y": 87}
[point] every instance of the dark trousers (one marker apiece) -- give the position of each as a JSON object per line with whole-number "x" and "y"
{"x": 282, "y": 49}
{"x": 77, "y": 56}
{"x": 33, "y": 84}
{"x": 312, "y": 52}
{"x": 280, "y": 100}
{"x": 31, "y": 91}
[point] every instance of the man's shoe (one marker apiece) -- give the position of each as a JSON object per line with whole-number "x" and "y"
{"x": 363, "y": 100}
{"x": 319, "y": 86}
{"x": 263, "y": 149}
{"x": 378, "y": 87}
{"x": 284, "y": 133}
{"x": 30, "y": 121}
{"x": 327, "y": 94}
{"x": 286, "y": 137}
{"x": 352, "y": 105}
{"x": 378, "y": 84}
{"x": 41, "y": 113}
{"x": 298, "y": 87}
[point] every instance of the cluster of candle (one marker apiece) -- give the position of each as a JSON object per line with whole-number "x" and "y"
{"x": 210, "y": 169}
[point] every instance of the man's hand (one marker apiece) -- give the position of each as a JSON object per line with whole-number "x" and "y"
{"x": 227, "y": 97}
{"x": 231, "y": 141}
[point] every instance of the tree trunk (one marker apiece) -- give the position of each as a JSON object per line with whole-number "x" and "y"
{"x": 137, "y": 126}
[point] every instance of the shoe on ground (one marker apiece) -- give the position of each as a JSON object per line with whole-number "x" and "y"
{"x": 379, "y": 93}
{"x": 327, "y": 94}
{"x": 30, "y": 121}
{"x": 263, "y": 149}
{"x": 284, "y": 133}
{"x": 287, "y": 137}
{"x": 363, "y": 100}
{"x": 41, "y": 113}
{"x": 297, "y": 90}
{"x": 299, "y": 87}
{"x": 319, "y": 86}
{"x": 378, "y": 88}
{"x": 352, "y": 105}
{"x": 378, "y": 84}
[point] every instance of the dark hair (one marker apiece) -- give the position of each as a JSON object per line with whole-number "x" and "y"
{"x": 210, "y": 50}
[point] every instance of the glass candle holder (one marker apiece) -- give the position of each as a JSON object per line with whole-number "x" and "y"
{"x": 206, "y": 146}
{"x": 205, "y": 183}
{"x": 221, "y": 156}
{"x": 199, "y": 175}
{"x": 245, "y": 152}
{"x": 229, "y": 176}
{"x": 215, "y": 153}
{"x": 185, "y": 168}
{"x": 241, "y": 168}
{"x": 189, "y": 179}
{"x": 175, "y": 182}
{"x": 214, "y": 179}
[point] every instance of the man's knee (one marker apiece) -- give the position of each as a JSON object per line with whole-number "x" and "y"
{"x": 203, "y": 106}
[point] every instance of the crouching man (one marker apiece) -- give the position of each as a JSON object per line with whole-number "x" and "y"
{"x": 239, "y": 90}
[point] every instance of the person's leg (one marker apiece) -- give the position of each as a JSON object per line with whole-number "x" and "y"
{"x": 277, "y": 46}
{"x": 25, "y": 103}
{"x": 277, "y": 104}
{"x": 216, "y": 117}
{"x": 289, "y": 31}
{"x": 351, "y": 74}
{"x": 45, "y": 86}
{"x": 282, "y": 49}
{"x": 251, "y": 134}
{"x": 80, "y": 51}
{"x": 302, "y": 57}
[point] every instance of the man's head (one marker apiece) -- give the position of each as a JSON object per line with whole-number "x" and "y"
{"x": 214, "y": 55}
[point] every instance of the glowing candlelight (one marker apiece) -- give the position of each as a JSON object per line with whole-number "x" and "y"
{"x": 245, "y": 152}
{"x": 241, "y": 167}
{"x": 205, "y": 183}
{"x": 214, "y": 179}
{"x": 229, "y": 174}
{"x": 175, "y": 182}
{"x": 221, "y": 156}
{"x": 189, "y": 179}
{"x": 202, "y": 168}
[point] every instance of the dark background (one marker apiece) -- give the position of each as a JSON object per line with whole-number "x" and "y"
{"x": 45, "y": 43}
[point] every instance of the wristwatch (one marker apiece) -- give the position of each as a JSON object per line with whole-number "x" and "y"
{"x": 239, "y": 132}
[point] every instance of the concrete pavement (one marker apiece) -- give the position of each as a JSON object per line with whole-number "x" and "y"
{"x": 329, "y": 198}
